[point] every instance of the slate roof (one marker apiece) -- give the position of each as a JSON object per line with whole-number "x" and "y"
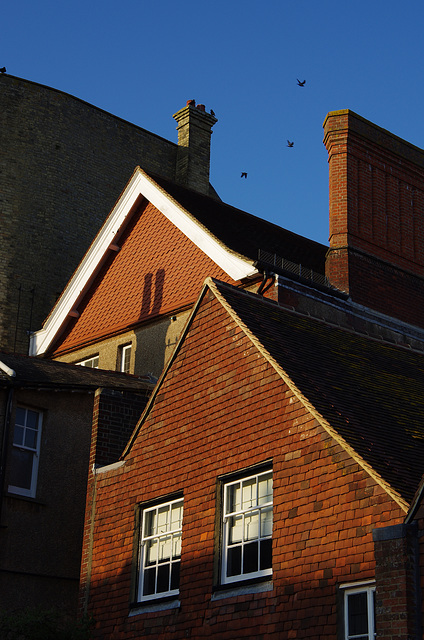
{"x": 245, "y": 233}
{"x": 370, "y": 392}
{"x": 40, "y": 373}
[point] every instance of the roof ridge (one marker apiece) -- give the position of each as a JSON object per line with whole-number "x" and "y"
{"x": 363, "y": 334}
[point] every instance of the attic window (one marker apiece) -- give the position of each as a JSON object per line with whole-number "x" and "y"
{"x": 93, "y": 362}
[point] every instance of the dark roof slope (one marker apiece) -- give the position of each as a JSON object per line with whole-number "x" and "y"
{"x": 37, "y": 372}
{"x": 245, "y": 233}
{"x": 372, "y": 393}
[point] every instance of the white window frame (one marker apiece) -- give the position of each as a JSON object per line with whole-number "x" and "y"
{"x": 22, "y": 491}
{"x": 258, "y": 508}
{"x": 124, "y": 350}
{"x": 166, "y": 536}
{"x": 369, "y": 590}
{"x": 89, "y": 362}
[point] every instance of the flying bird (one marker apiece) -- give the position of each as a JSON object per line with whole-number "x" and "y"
{"x": 3, "y": 70}
{"x": 301, "y": 84}
{"x": 290, "y": 144}
{"x": 243, "y": 174}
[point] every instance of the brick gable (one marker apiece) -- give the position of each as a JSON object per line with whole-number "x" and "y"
{"x": 221, "y": 408}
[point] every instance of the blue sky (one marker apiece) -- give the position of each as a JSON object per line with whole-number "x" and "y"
{"x": 143, "y": 60}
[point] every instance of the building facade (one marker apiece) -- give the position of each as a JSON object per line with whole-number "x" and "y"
{"x": 135, "y": 287}
{"x": 247, "y": 500}
{"x": 47, "y": 413}
{"x": 63, "y": 165}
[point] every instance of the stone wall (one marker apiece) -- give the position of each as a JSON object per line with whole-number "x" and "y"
{"x": 63, "y": 165}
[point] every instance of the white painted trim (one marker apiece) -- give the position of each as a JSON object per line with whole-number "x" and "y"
{"x": 358, "y": 584}
{"x": 140, "y": 184}
{"x": 108, "y": 467}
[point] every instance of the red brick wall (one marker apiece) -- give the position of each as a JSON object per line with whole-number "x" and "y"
{"x": 376, "y": 209}
{"x": 222, "y": 408}
{"x": 115, "y": 415}
{"x": 397, "y": 593}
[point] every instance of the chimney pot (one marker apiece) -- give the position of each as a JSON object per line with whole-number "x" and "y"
{"x": 201, "y": 107}
{"x": 191, "y": 102}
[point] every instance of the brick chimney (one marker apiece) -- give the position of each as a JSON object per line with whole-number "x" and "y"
{"x": 194, "y": 146}
{"x": 376, "y": 249}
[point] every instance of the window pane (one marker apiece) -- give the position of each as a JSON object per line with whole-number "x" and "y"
{"x": 234, "y": 561}
{"x": 249, "y": 493}
{"x": 250, "y": 557}
{"x": 235, "y": 529}
{"x": 149, "y": 523}
{"x": 31, "y": 438}
{"x": 164, "y": 549}
{"x": 266, "y": 554}
{"x": 163, "y": 519}
{"x": 125, "y": 358}
{"x": 265, "y": 489}
{"x": 18, "y": 435}
{"x": 21, "y": 468}
{"x": 251, "y": 526}
{"x": 266, "y": 523}
{"x": 149, "y": 584}
{"x": 32, "y": 419}
{"x": 357, "y": 614}
{"x": 176, "y": 546}
{"x": 233, "y": 498}
{"x": 20, "y": 416}
{"x": 151, "y": 552}
{"x": 176, "y": 516}
{"x": 175, "y": 575}
{"x": 163, "y": 578}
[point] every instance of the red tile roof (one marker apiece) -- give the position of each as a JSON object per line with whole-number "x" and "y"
{"x": 158, "y": 270}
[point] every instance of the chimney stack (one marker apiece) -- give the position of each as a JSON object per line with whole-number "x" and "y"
{"x": 194, "y": 146}
{"x": 376, "y": 249}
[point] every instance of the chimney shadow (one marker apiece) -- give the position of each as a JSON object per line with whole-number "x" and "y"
{"x": 152, "y": 294}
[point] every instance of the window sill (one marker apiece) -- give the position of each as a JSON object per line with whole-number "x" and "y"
{"x": 153, "y": 606}
{"x": 240, "y": 589}
{"x": 19, "y": 496}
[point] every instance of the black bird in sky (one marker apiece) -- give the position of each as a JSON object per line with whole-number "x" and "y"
{"x": 301, "y": 84}
{"x": 243, "y": 174}
{"x": 290, "y": 144}
{"x": 212, "y": 112}
{"x": 3, "y": 70}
